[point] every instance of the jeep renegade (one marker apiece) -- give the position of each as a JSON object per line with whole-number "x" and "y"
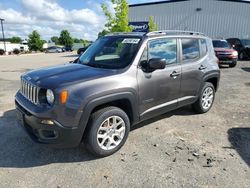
{"x": 119, "y": 81}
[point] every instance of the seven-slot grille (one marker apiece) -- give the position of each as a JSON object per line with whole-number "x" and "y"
{"x": 29, "y": 91}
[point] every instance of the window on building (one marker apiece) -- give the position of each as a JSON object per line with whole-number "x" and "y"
{"x": 190, "y": 49}
{"x": 163, "y": 49}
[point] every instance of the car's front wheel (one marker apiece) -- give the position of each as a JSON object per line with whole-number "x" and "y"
{"x": 108, "y": 130}
{"x": 241, "y": 56}
{"x": 206, "y": 98}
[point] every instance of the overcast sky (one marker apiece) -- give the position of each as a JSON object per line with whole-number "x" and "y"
{"x": 83, "y": 18}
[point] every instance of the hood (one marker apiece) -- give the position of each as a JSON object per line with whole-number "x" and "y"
{"x": 52, "y": 77}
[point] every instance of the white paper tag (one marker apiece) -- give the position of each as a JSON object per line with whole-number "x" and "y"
{"x": 131, "y": 41}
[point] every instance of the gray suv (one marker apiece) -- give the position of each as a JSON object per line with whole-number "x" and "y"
{"x": 122, "y": 79}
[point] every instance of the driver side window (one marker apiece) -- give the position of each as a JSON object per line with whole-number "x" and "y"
{"x": 165, "y": 48}
{"x": 162, "y": 49}
{"x": 144, "y": 56}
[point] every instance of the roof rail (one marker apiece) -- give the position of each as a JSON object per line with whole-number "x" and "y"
{"x": 165, "y": 32}
{"x": 126, "y": 33}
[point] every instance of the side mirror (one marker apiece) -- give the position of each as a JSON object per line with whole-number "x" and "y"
{"x": 156, "y": 63}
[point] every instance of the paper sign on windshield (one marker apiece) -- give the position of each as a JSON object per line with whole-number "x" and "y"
{"x": 131, "y": 41}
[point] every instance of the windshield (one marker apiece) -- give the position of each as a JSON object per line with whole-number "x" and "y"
{"x": 113, "y": 52}
{"x": 246, "y": 42}
{"x": 220, "y": 44}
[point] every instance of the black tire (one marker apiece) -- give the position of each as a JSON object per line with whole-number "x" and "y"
{"x": 233, "y": 64}
{"x": 95, "y": 122}
{"x": 197, "y": 106}
{"x": 241, "y": 56}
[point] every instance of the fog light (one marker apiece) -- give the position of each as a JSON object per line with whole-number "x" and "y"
{"x": 47, "y": 122}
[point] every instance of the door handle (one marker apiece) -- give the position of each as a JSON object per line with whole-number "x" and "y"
{"x": 174, "y": 74}
{"x": 202, "y": 67}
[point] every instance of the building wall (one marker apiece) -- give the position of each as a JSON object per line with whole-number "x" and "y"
{"x": 217, "y": 19}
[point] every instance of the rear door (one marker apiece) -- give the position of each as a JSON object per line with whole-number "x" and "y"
{"x": 193, "y": 67}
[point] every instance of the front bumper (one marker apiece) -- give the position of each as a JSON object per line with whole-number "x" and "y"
{"x": 55, "y": 135}
{"x": 227, "y": 60}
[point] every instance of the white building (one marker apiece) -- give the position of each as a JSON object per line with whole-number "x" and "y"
{"x": 215, "y": 18}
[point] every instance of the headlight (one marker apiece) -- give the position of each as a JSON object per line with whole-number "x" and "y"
{"x": 235, "y": 53}
{"x": 50, "y": 96}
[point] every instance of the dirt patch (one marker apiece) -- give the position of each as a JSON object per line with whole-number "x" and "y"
{"x": 247, "y": 84}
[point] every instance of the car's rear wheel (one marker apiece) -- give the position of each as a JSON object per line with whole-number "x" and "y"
{"x": 108, "y": 130}
{"x": 206, "y": 98}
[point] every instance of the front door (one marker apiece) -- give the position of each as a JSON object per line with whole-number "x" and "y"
{"x": 159, "y": 90}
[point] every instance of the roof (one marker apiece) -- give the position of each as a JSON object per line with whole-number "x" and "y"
{"x": 174, "y": 1}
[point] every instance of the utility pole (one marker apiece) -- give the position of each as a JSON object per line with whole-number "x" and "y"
{"x": 3, "y": 34}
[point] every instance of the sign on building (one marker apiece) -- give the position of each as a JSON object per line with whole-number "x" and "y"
{"x": 139, "y": 26}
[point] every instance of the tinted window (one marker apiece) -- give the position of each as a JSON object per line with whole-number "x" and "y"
{"x": 235, "y": 42}
{"x": 163, "y": 49}
{"x": 190, "y": 49}
{"x": 203, "y": 47}
{"x": 220, "y": 44}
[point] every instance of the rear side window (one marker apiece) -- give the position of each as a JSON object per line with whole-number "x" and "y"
{"x": 203, "y": 48}
{"x": 163, "y": 49}
{"x": 190, "y": 49}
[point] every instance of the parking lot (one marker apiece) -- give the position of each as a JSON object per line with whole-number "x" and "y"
{"x": 177, "y": 149}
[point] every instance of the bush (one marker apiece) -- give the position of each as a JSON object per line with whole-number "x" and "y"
{"x": 1, "y": 52}
{"x": 16, "y": 51}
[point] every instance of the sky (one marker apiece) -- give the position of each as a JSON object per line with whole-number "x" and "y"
{"x": 83, "y": 18}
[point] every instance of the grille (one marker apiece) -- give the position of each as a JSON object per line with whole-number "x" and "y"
{"x": 224, "y": 53}
{"x": 29, "y": 91}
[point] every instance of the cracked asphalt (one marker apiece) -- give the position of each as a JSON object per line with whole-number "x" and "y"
{"x": 177, "y": 149}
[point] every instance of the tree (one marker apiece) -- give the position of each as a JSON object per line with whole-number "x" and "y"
{"x": 76, "y": 40}
{"x": 117, "y": 22}
{"x": 151, "y": 24}
{"x": 102, "y": 33}
{"x": 34, "y": 42}
{"x": 15, "y": 40}
{"x": 65, "y": 38}
{"x": 55, "y": 39}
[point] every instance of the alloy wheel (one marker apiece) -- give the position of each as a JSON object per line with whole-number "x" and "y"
{"x": 111, "y": 133}
{"x": 207, "y": 98}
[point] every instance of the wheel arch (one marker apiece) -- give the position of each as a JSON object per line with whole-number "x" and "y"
{"x": 127, "y": 101}
{"x": 213, "y": 79}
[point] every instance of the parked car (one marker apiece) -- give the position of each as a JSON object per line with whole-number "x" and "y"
{"x": 242, "y": 46}
{"x": 54, "y": 49}
{"x": 122, "y": 79}
{"x": 80, "y": 51}
{"x": 225, "y": 53}
{"x": 67, "y": 49}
